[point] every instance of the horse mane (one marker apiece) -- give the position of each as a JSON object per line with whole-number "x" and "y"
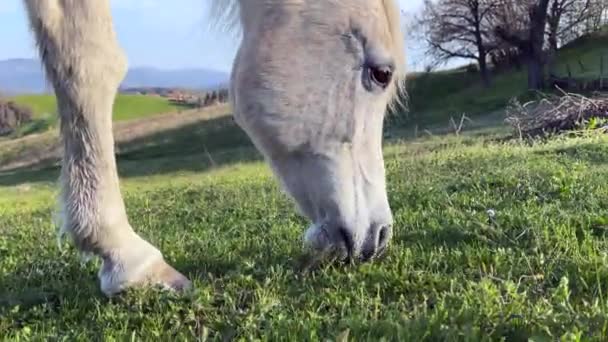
{"x": 393, "y": 18}
{"x": 226, "y": 14}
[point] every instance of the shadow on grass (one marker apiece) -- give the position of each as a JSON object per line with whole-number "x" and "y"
{"x": 194, "y": 148}
{"x": 44, "y": 283}
{"x": 486, "y": 125}
{"x": 208, "y": 144}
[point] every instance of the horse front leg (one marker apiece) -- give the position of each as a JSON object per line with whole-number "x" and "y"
{"x": 82, "y": 59}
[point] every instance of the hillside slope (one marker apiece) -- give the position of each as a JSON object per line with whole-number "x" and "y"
{"x": 437, "y": 96}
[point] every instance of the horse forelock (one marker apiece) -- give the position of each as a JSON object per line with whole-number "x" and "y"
{"x": 393, "y": 18}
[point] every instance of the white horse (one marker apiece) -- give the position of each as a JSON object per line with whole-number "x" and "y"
{"x": 310, "y": 86}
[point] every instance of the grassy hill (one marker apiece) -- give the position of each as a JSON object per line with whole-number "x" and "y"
{"x": 434, "y": 97}
{"x": 126, "y": 107}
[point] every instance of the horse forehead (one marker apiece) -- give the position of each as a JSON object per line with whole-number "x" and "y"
{"x": 369, "y": 17}
{"x": 317, "y": 11}
{"x": 279, "y": 32}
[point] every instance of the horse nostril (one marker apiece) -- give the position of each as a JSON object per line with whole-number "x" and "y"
{"x": 348, "y": 240}
{"x": 384, "y": 236}
{"x": 368, "y": 254}
{"x": 376, "y": 242}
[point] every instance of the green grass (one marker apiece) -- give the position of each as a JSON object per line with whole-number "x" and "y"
{"x": 537, "y": 270}
{"x": 39, "y": 104}
{"x": 126, "y": 107}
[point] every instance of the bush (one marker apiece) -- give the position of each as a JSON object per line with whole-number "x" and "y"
{"x": 12, "y": 116}
{"x": 472, "y": 68}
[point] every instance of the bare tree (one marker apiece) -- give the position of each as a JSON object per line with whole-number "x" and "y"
{"x": 530, "y": 40}
{"x": 460, "y": 29}
{"x": 565, "y": 16}
{"x": 598, "y": 14}
{"x": 415, "y": 35}
{"x": 510, "y": 16}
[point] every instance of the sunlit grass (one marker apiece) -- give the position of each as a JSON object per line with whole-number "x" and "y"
{"x": 126, "y": 107}
{"x": 537, "y": 269}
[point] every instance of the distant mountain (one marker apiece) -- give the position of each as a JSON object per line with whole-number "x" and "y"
{"x": 19, "y": 76}
{"x": 198, "y": 79}
{"x": 22, "y": 76}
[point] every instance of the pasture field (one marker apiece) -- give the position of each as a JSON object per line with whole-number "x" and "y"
{"x": 126, "y": 107}
{"x": 537, "y": 268}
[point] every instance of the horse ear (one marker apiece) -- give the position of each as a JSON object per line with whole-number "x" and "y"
{"x": 224, "y": 15}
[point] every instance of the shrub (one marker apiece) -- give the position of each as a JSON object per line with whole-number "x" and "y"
{"x": 12, "y": 116}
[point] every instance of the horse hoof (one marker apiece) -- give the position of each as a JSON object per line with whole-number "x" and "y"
{"x": 142, "y": 271}
{"x": 169, "y": 278}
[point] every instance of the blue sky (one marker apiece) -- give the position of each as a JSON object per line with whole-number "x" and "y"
{"x": 158, "y": 33}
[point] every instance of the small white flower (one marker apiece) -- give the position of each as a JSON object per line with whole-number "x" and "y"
{"x": 491, "y": 213}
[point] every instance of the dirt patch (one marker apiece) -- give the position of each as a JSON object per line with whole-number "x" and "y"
{"x": 41, "y": 150}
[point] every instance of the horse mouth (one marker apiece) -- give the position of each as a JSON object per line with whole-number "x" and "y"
{"x": 336, "y": 256}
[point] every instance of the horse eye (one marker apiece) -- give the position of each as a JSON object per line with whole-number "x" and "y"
{"x": 382, "y": 75}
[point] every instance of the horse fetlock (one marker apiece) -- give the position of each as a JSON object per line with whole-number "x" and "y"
{"x": 138, "y": 264}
